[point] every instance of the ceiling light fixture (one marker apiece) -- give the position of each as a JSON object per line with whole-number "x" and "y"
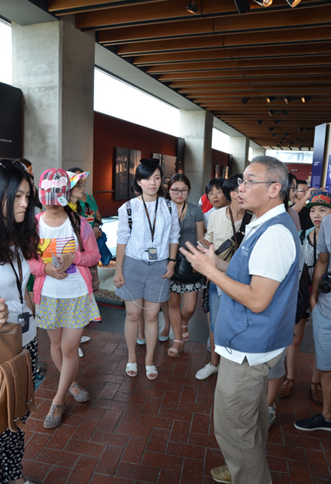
{"x": 271, "y": 99}
{"x": 260, "y": 121}
{"x": 307, "y": 130}
{"x": 286, "y": 112}
{"x": 277, "y": 121}
{"x": 287, "y": 134}
{"x": 274, "y": 134}
{"x": 272, "y": 128}
{"x": 306, "y": 99}
{"x": 245, "y": 100}
{"x": 289, "y": 99}
{"x": 271, "y": 112}
{"x": 192, "y": 7}
{"x": 242, "y": 5}
{"x": 264, "y": 3}
{"x": 293, "y": 3}
{"x": 300, "y": 130}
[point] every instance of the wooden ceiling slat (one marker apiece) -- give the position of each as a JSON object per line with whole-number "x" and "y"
{"x": 241, "y": 91}
{"x": 309, "y": 34}
{"x": 260, "y": 96}
{"x": 220, "y": 54}
{"x": 61, "y": 7}
{"x": 233, "y": 64}
{"x": 262, "y": 82}
{"x": 321, "y": 71}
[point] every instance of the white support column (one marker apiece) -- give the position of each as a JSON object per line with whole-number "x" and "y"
{"x": 53, "y": 64}
{"x": 196, "y": 127}
{"x": 239, "y": 154}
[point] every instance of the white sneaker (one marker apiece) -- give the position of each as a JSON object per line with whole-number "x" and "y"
{"x": 80, "y": 353}
{"x": 206, "y": 371}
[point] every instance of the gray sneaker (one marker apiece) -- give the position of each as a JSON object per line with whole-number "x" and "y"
{"x": 272, "y": 415}
{"x": 206, "y": 372}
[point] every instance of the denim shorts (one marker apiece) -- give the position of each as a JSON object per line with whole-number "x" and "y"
{"x": 144, "y": 280}
{"x": 214, "y": 304}
{"x": 322, "y": 339}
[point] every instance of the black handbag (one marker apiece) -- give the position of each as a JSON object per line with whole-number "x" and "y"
{"x": 184, "y": 272}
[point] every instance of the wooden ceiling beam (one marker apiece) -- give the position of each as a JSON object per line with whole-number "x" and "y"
{"x": 224, "y": 12}
{"x": 316, "y": 60}
{"x": 235, "y": 54}
{"x": 289, "y": 19}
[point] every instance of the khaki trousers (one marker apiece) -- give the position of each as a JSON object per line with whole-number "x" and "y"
{"x": 241, "y": 419}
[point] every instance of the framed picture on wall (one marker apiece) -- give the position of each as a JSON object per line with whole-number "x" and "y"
{"x": 169, "y": 167}
{"x": 121, "y": 174}
{"x": 134, "y": 159}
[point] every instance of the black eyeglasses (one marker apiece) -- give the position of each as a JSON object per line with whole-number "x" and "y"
{"x": 9, "y": 165}
{"x": 176, "y": 191}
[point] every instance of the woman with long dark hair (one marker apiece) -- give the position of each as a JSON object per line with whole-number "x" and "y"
{"x": 184, "y": 296}
{"x": 147, "y": 241}
{"x": 63, "y": 287}
{"x": 18, "y": 242}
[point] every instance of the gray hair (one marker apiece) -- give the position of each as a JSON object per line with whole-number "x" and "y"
{"x": 276, "y": 170}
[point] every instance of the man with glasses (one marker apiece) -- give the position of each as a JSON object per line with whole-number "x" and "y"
{"x": 255, "y": 321}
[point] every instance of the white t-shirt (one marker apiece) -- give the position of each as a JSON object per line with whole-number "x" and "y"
{"x": 139, "y": 240}
{"x": 57, "y": 241}
{"x": 9, "y": 291}
{"x": 220, "y": 227}
{"x": 271, "y": 257}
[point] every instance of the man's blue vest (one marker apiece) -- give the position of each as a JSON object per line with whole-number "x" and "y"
{"x": 237, "y": 327}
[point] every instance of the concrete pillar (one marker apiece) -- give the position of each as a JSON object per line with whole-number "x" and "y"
{"x": 196, "y": 128}
{"x": 258, "y": 152}
{"x": 53, "y": 64}
{"x": 239, "y": 154}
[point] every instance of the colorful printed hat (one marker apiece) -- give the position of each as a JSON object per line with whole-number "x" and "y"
{"x": 320, "y": 197}
{"x": 75, "y": 178}
{"x": 54, "y": 187}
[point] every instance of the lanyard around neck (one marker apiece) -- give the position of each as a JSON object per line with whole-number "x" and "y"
{"x": 19, "y": 279}
{"x": 181, "y": 213}
{"x": 151, "y": 228}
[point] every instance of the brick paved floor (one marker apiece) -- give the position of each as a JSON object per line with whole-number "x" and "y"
{"x": 136, "y": 431}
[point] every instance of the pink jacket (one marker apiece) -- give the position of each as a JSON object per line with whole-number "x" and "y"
{"x": 83, "y": 260}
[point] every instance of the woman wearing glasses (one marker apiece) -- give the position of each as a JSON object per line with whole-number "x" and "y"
{"x": 191, "y": 223}
{"x": 18, "y": 243}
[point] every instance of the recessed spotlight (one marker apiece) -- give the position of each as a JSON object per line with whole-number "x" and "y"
{"x": 287, "y": 134}
{"x": 271, "y": 99}
{"x": 245, "y": 100}
{"x": 192, "y": 7}
{"x": 272, "y": 128}
{"x": 289, "y": 99}
{"x": 277, "y": 121}
{"x": 271, "y": 112}
{"x": 274, "y": 134}
{"x": 300, "y": 130}
{"x": 307, "y": 130}
{"x": 260, "y": 121}
{"x": 306, "y": 99}
{"x": 286, "y": 112}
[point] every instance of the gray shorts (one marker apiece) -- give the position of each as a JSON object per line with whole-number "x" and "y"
{"x": 279, "y": 369}
{"x": 322, "y": 339}
{"x": 144, "y": 280}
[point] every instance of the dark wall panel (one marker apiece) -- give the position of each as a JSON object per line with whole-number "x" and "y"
{"x": 110, "y": 133}
{"x": 10, "y": 121}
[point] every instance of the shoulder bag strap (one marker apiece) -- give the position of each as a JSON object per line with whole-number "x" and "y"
{"x": 129, "y": 212}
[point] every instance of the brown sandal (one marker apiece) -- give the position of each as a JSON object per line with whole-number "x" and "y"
{"x": 286, "y": 388}
{"x": 316, "y": 392}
